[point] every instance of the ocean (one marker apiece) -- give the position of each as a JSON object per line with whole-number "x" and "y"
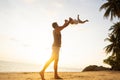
{"x": 6, "y": 66}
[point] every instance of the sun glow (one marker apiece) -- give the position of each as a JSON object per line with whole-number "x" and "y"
{"x": 33, "y": 45}
{"x": 26, "y": 32}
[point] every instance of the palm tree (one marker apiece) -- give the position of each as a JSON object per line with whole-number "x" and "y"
{"x": 112, "y": 8}
{"x": 116, "y": 29}
{"x": 111, "y": 48}
{"x": 111, "y": 60}
{"x": 114, "y": 47}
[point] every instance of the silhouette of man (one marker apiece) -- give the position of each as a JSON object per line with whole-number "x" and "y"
{"x": 57, "y": 44}
{"x": 55, "y": 48}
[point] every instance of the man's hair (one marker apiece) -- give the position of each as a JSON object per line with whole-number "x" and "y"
{"x": 54, "y": 24}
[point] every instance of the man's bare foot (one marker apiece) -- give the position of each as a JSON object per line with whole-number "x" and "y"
{"x": 42, "y": 75}
{"x": 57, "y": 77}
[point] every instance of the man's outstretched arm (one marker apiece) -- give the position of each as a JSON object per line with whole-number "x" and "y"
{"x": 65, "y": 24}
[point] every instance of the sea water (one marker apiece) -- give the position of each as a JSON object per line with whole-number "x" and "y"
{"x": 6, "y": 66}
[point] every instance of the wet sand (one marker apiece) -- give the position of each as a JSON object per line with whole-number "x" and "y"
{"x": 95, "y": 75}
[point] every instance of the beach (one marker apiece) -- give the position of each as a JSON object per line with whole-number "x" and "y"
{"x": 91, "y": 75}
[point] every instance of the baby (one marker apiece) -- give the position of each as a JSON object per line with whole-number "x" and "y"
{"x": 77, "y": 21}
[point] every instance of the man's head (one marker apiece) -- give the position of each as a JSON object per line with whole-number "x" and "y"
{"x": 54, "y": 25}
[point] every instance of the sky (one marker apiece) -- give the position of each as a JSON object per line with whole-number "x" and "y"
{"x": 26, "y": 31}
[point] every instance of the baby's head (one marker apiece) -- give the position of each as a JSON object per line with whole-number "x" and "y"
{"x": 66, "y": 20}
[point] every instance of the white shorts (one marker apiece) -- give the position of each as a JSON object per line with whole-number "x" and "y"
{"x": 55, "y": 52}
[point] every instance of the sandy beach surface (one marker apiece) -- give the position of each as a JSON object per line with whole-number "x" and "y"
{"x": 95, "y": 75}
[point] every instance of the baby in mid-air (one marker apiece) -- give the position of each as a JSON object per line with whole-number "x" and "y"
{"x": 77, "y": 21}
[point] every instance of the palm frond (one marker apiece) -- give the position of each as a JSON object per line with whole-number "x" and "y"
{"x": 104, "y": 6}
{"x": 108, "y": 48}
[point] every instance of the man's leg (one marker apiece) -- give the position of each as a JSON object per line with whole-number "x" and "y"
{"x": 56, "y": 58}
{"x": 56, "y": 67}
{"x": 56, "y": 70}
{"x": 45, "y": 66}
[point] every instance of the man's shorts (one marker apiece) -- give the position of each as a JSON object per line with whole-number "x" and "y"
{"x": 55, "y": 52}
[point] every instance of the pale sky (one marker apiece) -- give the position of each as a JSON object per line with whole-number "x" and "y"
{"x": 26, "y": 31}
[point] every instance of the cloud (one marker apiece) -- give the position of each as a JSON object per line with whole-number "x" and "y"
{"x": 58, "y": 4}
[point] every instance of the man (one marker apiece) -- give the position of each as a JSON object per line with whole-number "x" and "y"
{"x": 55, "y": 48}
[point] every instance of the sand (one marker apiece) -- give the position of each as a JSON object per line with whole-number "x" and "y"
{"x": 96, "y": 75}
